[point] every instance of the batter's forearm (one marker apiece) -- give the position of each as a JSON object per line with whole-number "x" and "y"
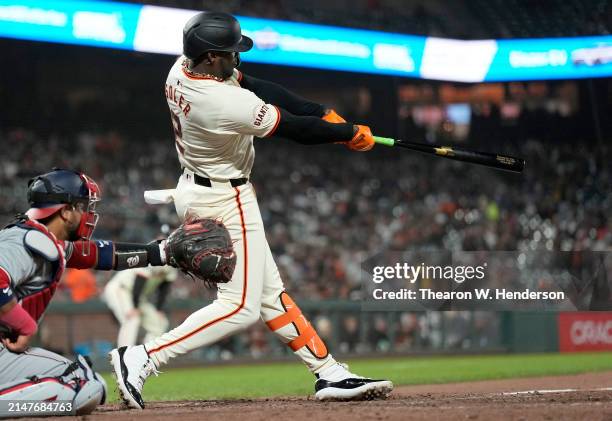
{"x": 312, "y": 130}
{"x": 276, "y": 94}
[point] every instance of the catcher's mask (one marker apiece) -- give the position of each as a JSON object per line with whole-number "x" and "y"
{"x": 50, "y": 192}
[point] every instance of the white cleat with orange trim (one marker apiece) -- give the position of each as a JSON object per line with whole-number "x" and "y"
{"x": 336, "y": 383}
{"x": 131, "y": 367}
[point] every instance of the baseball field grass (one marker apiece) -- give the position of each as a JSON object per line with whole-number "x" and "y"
{"x": 293, "y": 379}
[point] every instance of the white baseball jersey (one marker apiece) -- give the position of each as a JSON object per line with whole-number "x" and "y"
{"x": 215, "y": 121}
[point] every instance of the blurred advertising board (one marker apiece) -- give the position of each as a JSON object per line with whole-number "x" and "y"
{"x": 159, "y": 30}
{"x": 585, "y": 331}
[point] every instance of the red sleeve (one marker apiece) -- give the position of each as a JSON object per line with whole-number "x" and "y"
{"x": 78, "y": 261}
{"x": 19, "y": 320}
{"x": 100, "y": 255}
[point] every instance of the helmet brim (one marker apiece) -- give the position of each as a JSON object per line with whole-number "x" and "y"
{"x": 42, "y": 213}
{"x": 245, "y": 44}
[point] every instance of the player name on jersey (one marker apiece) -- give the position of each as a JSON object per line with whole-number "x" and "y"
{"x": 180, "y": 102}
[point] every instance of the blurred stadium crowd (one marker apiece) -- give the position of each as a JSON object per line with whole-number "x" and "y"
{"x": 326, "y": 209}
{"x": 457, "y": 19}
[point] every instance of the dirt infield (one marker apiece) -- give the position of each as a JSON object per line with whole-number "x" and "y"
{"x": 579, "y": 397}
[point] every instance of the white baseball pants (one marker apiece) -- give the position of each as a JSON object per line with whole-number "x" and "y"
{"x": 256, "y": 289}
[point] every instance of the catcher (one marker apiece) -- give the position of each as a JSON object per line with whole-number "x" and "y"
{"x": 53, "y": 234}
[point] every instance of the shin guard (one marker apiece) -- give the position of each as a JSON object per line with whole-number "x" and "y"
{"x": 302, "y": 334}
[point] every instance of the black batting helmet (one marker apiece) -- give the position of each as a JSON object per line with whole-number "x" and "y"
{"x": 213, "y": 31}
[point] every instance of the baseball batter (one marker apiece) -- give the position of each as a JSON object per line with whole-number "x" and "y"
{"x": 216, "y": 111}
{"x": 129, "y": 293}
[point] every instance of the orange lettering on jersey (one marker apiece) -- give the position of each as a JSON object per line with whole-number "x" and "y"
{"x": 171, "y": 94}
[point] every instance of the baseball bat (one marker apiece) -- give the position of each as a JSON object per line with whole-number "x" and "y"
{"x": 502, "y": 162}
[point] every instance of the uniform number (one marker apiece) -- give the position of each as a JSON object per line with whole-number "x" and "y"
{"x": 178, "y": 132}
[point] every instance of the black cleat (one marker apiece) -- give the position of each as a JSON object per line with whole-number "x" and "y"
{"x": 353, "y": 388}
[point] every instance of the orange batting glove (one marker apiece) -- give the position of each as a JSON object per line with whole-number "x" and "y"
{"x": 331, "y": 116}
{"x": 362, "y": 140}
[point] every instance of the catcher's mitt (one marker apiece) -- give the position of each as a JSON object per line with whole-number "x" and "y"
{"x": 203, "y": 249}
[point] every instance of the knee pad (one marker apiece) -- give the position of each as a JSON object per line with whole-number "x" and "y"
{"x": 38, "y": 389}
{"x": 102, "y": 382}
{"x": 91, "y": 393}
{"x": 306, "y": 335}
{"x": 83, "y": 394}
{"x": 91, "y": 375}
{"x": 78, "y": 384}
{"x": 90, "y": 387}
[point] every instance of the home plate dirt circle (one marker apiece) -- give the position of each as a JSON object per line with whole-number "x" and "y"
{"x": 577, "y": 397}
